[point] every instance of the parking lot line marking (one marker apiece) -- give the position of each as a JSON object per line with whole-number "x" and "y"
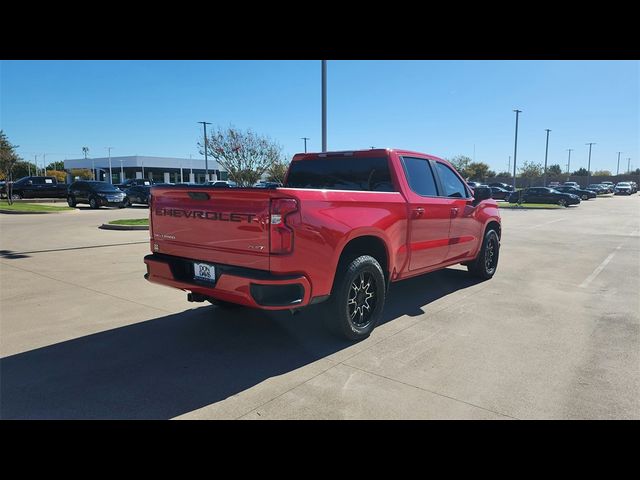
{"x": 599, "y": 268}
{"x": 547, "y": 223}
{"x": 79, "y": 248}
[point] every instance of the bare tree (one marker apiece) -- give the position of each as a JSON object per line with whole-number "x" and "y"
{"x": 244, "y": 154}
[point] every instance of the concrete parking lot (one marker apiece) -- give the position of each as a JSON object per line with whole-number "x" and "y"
{"x": 554, "y": 335}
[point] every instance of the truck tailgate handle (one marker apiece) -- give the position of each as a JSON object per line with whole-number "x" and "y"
{"x": 198, "y": 195}
{"x": 418, "y": 211}
{"x": 454, "y": 212}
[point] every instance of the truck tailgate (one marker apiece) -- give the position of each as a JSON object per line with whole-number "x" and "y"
{"x": 219, "y": 225}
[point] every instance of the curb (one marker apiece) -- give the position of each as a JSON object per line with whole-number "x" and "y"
{"x": 18, "y": 212}
{"x": 107, "y": 226}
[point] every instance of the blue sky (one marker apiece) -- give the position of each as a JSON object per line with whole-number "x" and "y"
{"x": 438, "y": 107}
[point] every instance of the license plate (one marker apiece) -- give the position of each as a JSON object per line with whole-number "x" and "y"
{"x": 204, "y": 272}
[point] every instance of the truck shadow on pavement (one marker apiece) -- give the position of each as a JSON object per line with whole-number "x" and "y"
{"x": 171, "y": 365}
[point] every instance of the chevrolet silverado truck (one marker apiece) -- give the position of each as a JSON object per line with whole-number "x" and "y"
{"x": 341, "y": 229}
{"x": 36, "y": 187}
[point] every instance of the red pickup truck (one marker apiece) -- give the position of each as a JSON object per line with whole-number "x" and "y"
{"x": 343, "y": 227}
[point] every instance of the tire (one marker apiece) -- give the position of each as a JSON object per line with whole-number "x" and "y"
{"x": 585, "y": 197}
{"x": 16, "y": 196}
{"x": 483, "y": 267}
{"x": 357, "y": 299}
{"x": 126, "y": 203}
{"x": 71, "y": 202}
{"x": 562, "y": 202}
{"x": 93, "y": 204}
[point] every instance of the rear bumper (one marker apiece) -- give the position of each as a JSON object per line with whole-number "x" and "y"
{"x": 244, "y": 286}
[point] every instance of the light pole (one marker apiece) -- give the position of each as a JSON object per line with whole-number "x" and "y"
{"x": 142, "y": 163}
{"x": 44, "y": 163}
{"x": 181, "y": 180}
{"x": 628, "y": 165}
{"x": 589, "y": 164}
{"x": 121, "y": 171}
{"x": 110, "y": 172}
{"x": 324, "y": 105}
{"x": 85, "y": 150}
{"x": 206, "y": 161}
{"x": 546, "y": 154}
{"x": 515, "y": 149}
{"x": 305, "y": 143}
{"x": 569, "y": 162}
{"x": 509, "y": 164}
{"x": 618, "y": 169}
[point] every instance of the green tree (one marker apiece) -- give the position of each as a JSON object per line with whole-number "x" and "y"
{"x": 23, "y": 169}
{"x": 554, "y": 170}
{"x": 491, "y": 174}
{"x": 460, "y": 163}
{"x": 56, "y": 166}
{"x": 602, "y": 173}
{"x": 476, "y": 171}
{"x": 277, "y": 171}
{"x": 504, "y": 174}
{"x": 530, "y": 170}
{"x": 244, "y": 154}
{"x": 581, "y": 172}
{"x": 8, "y": 160}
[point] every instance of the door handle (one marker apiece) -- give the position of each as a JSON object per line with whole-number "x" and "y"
{"x": 454, "y": 212}
{"x": 418, "y": 211}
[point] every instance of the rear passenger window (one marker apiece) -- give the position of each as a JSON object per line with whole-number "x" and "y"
{"x": 453, "y": 186}
{"x": 420, "y": 176}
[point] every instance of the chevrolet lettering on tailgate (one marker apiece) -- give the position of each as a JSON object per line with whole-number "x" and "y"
{"x": 205, "y": 215}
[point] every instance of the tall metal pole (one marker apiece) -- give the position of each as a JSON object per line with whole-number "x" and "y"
{"x": 142, "y": 163}
{"x": 589, "y": 164}
{"x": 515, "y": 149}
{"x": 569, "y": 161}
{"x": 618, "y": 169}
{"x": 324, "y": 105}
{"x": 628, "y": 165}
{"x": 35, "y": 161}
{"x": 44, "y": 163}
{"x": 121, "y": 171}
{"x": 305, "y": 143}
{"x": 110, "y": 172}
{"x": 509, "y": 164}
{"x": 206, "y": 161}
{"x": 546, "y": 154}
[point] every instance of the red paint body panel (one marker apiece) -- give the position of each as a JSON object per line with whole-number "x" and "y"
{"x": 449, "y": 231}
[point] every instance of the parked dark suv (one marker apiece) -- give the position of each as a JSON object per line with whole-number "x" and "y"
{"x": 137, "y": 194}
{"x": 96, "y": 194}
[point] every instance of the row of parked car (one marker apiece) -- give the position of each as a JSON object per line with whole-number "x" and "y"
{"x": 568, "y": 193}
{"x": 134, "y": 191}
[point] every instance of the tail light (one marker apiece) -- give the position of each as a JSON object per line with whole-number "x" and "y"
{"x": 281, "y": 238}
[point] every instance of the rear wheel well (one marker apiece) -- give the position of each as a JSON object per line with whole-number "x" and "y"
{"x": 365, "y": 245}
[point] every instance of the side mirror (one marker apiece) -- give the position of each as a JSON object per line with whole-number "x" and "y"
{"x": 481, "y": 193}
{"x": 30, "y": 182}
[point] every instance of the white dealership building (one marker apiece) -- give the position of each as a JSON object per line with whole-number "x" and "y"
{"x": 157, "y": 169}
